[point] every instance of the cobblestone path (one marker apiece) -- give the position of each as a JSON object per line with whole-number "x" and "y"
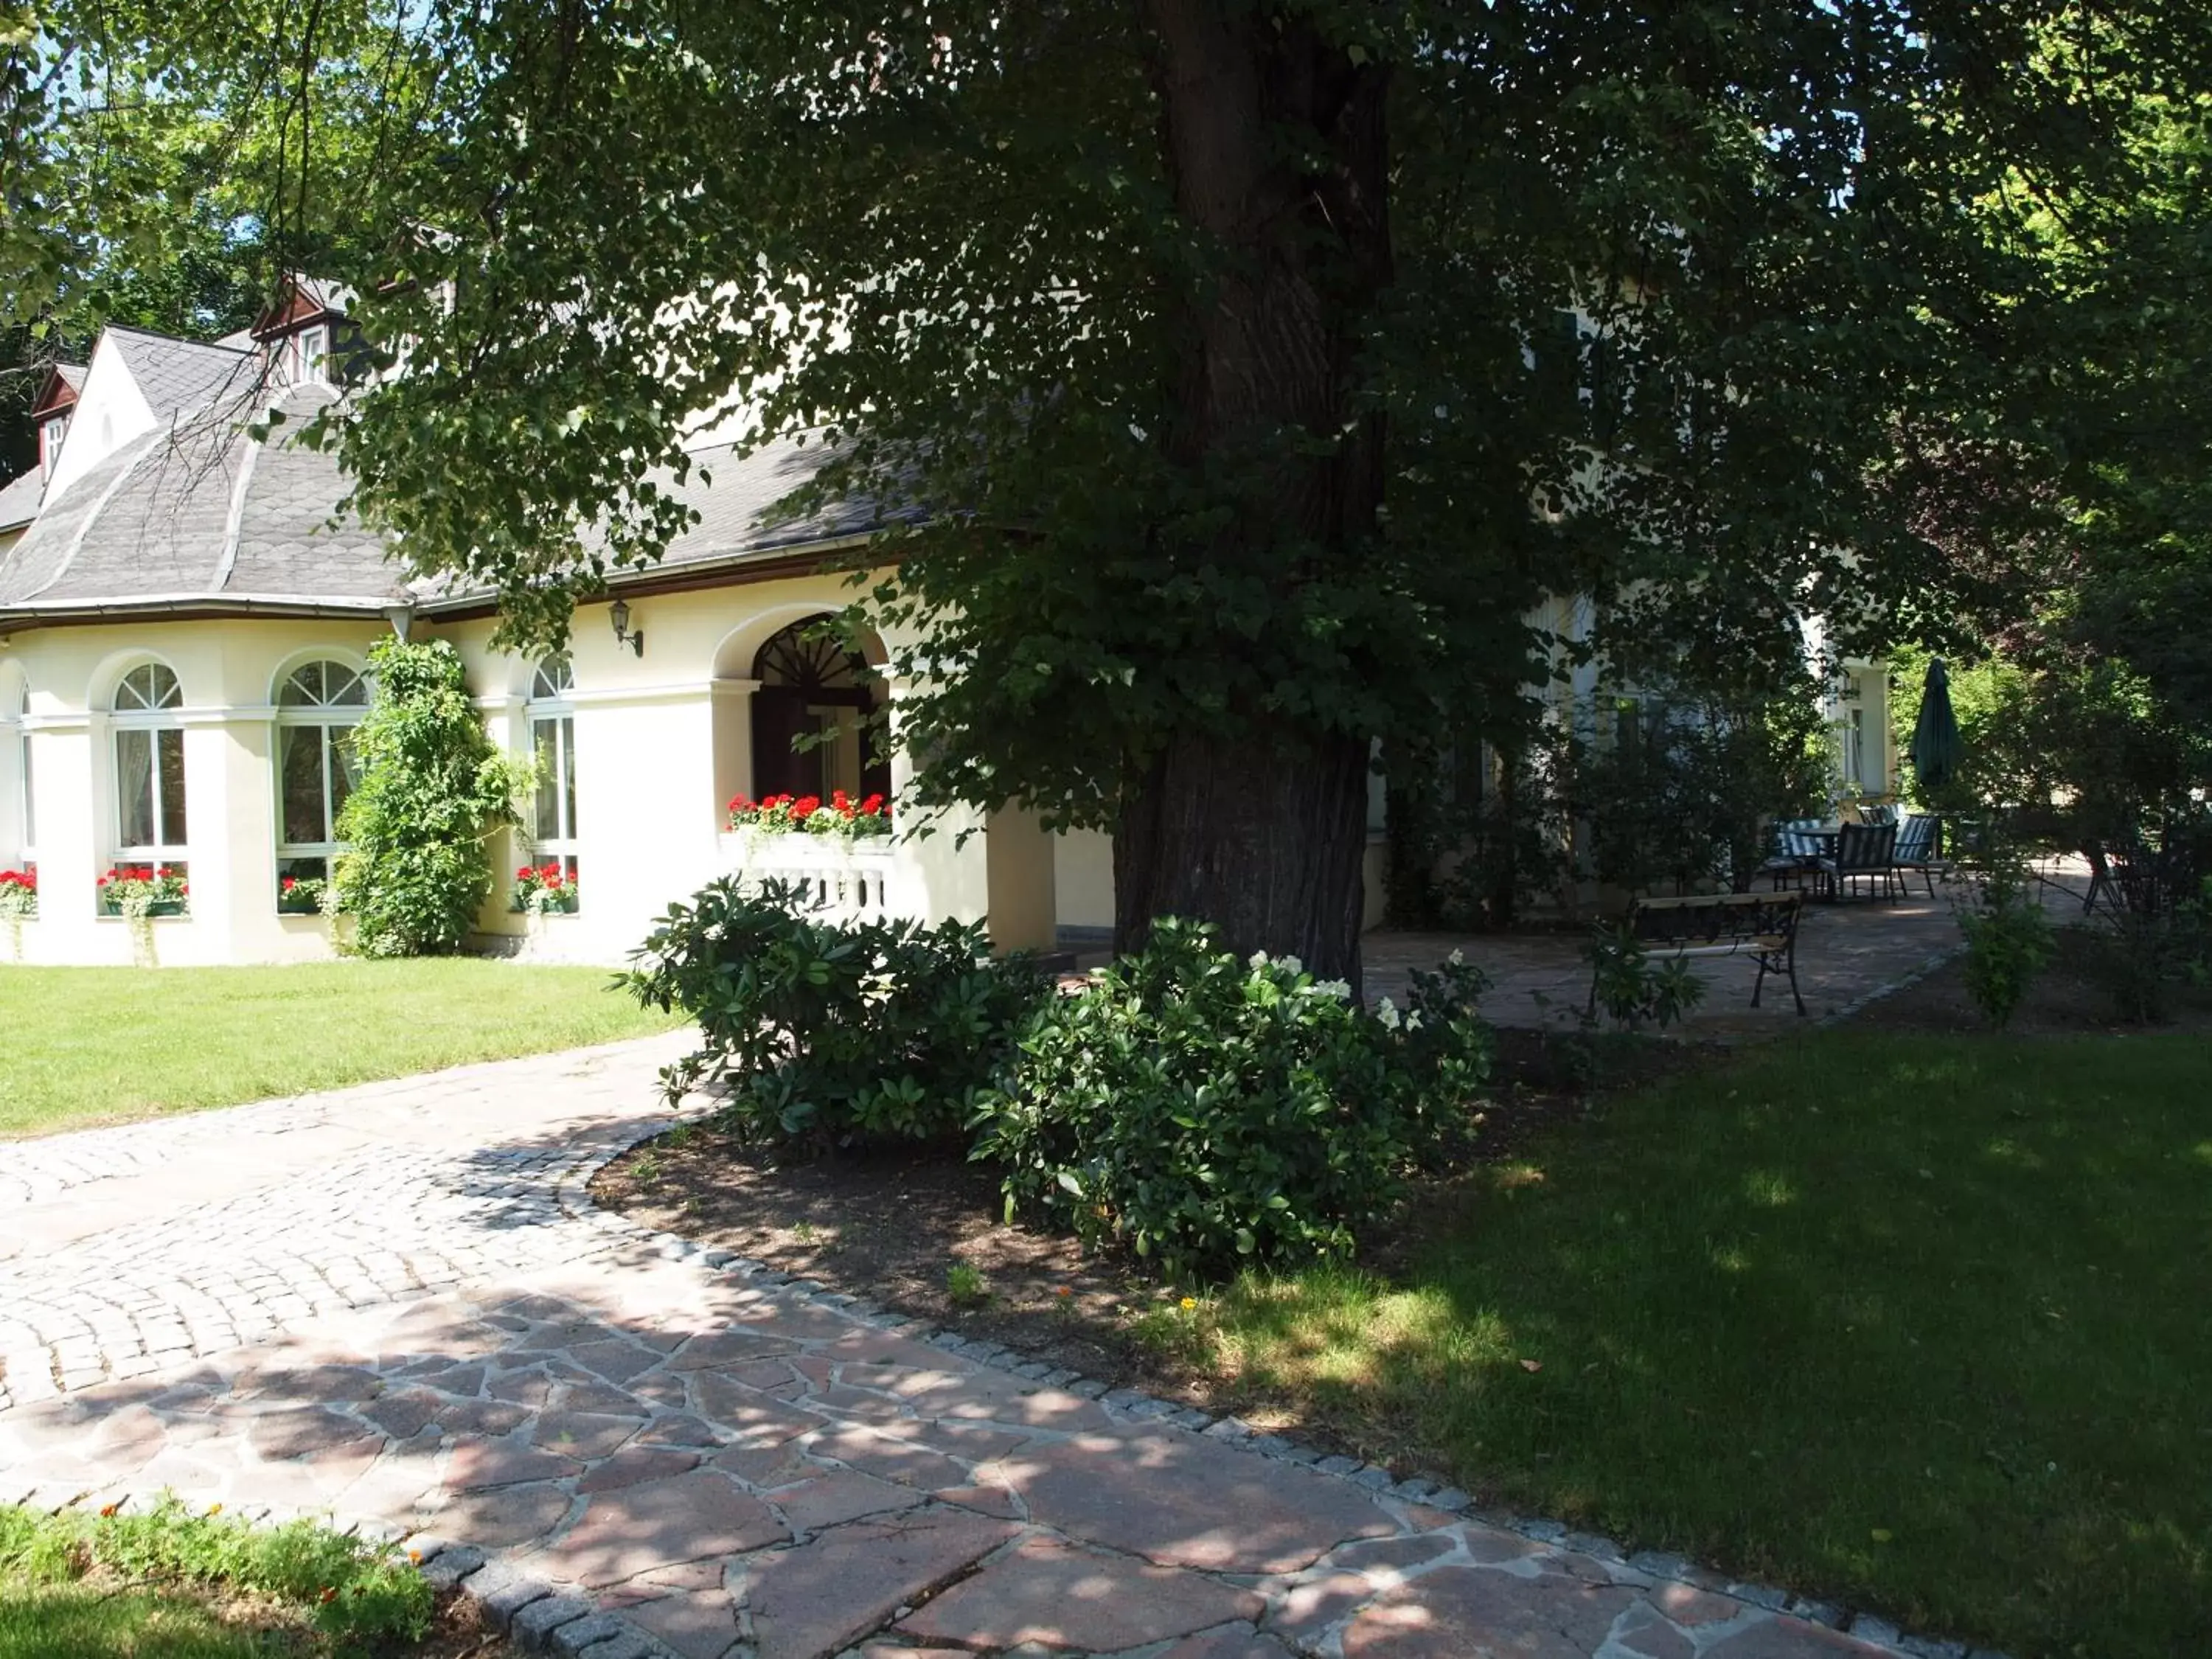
{"x": 395, "y": 1305}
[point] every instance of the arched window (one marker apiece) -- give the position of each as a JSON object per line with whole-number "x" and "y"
{"x": 20, "y": 824}
{"x": 316, "y": 713}
{"x": 812, "y": 716}
{"x": 553, "y": 741}
{"x": 149, "y": 768}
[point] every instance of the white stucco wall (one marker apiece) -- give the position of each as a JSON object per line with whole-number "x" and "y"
{"x": 662, "y": 741}
{"x": 110, "y": 412}
{"x": 227, "y": 672}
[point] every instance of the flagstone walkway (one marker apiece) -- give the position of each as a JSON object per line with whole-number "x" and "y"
{"x": 396, "y": 1304}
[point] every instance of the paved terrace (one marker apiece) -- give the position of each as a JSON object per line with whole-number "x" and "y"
{"x": 1847, "y": 954}
{"x": 396, "y": 1304}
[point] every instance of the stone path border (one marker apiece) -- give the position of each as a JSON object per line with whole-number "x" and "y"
{"x": 737, "y": 1413}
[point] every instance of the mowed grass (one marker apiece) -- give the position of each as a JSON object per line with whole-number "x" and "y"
{"x": 80, "y": 1046}
{"x": 172, "y": 1584}
{"x": 1924, "y": 1326}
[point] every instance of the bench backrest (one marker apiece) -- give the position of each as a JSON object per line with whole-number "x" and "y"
{"x": 1713, "y": 918}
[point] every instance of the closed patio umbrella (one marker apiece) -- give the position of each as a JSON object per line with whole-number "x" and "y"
{"x": 1938, "y": 749}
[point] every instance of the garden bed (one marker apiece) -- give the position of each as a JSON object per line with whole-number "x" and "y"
{"x": 2067, "y": 999}
{"x": 892, "y": 1226}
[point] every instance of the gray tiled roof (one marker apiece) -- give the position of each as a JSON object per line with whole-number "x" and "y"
{"x": 733, "y": 496}
{"x": 178, "y": 377}
{"x": 19, "y": 499}
{"x": 72, "y": 375}
{"x": 204, "y": 512}
{"x": 201, "y": 513}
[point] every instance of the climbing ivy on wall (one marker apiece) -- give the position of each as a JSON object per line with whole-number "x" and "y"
{"x": 433, "y": 790}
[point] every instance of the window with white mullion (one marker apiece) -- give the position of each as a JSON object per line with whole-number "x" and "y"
{"x": 148, "y": 750}
{"x": 316, "y": 713}
{"x": 552, "y": 721}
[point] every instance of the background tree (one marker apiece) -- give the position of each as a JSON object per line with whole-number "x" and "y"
{"x": 1249, "y": 365}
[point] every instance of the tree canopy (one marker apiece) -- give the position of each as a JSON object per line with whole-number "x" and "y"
{"x": 1251, "y": 366}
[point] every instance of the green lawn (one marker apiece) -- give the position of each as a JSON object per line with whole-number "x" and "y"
{"x": 93, "y": 1045}
{"x": 173, "y": 1584}
{"x": 1923, "y": 1325}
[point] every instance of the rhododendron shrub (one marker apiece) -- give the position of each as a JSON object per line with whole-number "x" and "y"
{"x": 1207, "y": 1111}
{"x": 834, "y": 1036}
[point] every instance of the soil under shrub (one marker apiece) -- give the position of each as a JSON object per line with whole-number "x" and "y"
{"x": 888, "y": 1226}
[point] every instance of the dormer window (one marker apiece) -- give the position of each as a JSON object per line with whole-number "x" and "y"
{"x": 300, "y": 356}
{"x": 50, "y": 434}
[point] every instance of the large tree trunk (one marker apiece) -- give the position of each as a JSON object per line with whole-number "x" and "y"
{"x": 1264, "y": 840}
{"x": 1275, "y": 145}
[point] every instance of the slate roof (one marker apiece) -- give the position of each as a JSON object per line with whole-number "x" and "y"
{"x": 200, "y": 512}
{"x": 19, "y": 499}
{"x": 733, "y": 503}
{"x": 177, "y": 377}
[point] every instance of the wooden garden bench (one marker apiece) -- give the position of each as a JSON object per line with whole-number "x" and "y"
{"x": 1761, "y": 926}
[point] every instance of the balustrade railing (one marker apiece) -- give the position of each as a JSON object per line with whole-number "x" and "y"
{"x": 843, "y": 881}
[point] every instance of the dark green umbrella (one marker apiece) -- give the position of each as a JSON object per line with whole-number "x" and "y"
{"x": 1938, "y": 749}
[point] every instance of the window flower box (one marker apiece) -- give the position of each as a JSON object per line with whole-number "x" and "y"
{"x": 840, "y": 817}
{"x": 544, "y": 889}
{"x": 19, "y": 904}
{"x": 140, "y": 890}
{"x": 19, "y": 895}
{"x": 301, "y": 895}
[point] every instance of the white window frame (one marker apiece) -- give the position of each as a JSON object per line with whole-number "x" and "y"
{"x": 27, "y": 804}
{"x": 550, "y": 706}
{"x": 52, "y": 431}
{"x": 166, "y": 716}
{"x": 19, "y": 848}
{"x": 323, "y": 718}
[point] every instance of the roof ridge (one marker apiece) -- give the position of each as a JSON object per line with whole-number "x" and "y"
{"x": 173, "y": 339}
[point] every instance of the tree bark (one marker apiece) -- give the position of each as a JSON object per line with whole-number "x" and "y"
{"x": 1275, "y": 146}
{"x": 1266, "y": 841}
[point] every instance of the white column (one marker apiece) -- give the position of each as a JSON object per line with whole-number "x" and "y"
{"x": 944, "y": 866}
{"x": 733, "y": 741}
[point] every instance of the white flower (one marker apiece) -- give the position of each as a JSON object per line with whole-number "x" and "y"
{"x": 1340, "y": 989}
{"x": 1386, "y": 1012}
{"x": 1456, "y": 959}
{"x": 1256, "y": 961}
{"x": 1292, "y": 965}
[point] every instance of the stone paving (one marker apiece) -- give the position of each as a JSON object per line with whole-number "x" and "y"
{"x": 1847, "y": 954}
{"x": 396, "y": 1305}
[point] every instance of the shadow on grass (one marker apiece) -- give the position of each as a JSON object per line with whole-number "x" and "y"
{"x": 1916, "y": 1323}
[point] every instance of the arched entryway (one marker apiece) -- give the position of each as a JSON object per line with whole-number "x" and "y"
{"x": 812, "y": 684}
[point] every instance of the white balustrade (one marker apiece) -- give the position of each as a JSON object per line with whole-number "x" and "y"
{"x": 843, "y": 881}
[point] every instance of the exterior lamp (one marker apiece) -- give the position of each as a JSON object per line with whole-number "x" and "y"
{"x": 618, "y": 614}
